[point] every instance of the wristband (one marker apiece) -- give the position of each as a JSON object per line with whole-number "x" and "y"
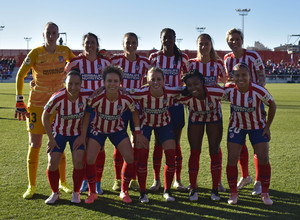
{"x": 137, "y": 129}
{"x": 20, "y": 98}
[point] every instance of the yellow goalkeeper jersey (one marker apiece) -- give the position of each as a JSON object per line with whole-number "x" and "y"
{"x": 48, "y": 73}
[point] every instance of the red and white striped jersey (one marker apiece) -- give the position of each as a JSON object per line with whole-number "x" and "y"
{"x": 172, "y": 71}
{"x": 69, "y": 114}
{"x": 211, "y": 70}
{"x": 251, "y": 58}
{"x": 91, "y": 71}
{"x": 206, "y": 110}
{"x": 155, "y": 110}
{"x": 108, "y": 114}
{"x": 134, "y": 72}
{"x": 246, "y": 112}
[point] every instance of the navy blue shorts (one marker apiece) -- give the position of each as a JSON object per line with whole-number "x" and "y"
{"x": 204, "y": 123}
{"x": 177, "y": 116}
{"x": 62, "y": 140}
{"x": 127, "y": 117}
{"x": 162, "y": 133}
{"x": 238, "y": 136}
{"x": 115, "y": 138}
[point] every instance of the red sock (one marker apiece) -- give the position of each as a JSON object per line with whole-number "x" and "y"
{"x": 118, "y": 164}
{"x": 127, "y": 175}
{"x": 215, "y": 169}
{"x": 232, "y": 174}
{"x": 84, "y": 166}
{"x": 244, "y": 157}
{"x": 53, "y": 178}
{"x": 194, "y": 167}
{"x": 100, "y": 161}
{"x": 91, "y": 177}
{"x": 157, "y": 157}
{"x": 256, "y": 167}
{"x": 265, "y": 177}
{"x": 178, "y": 162}
{"x": 136, "y": 156}
{"x": 77, "y": 179}
{"x": 169, "y": 167}
{"x": 221, "y": 157}
{"x": 142, "y": 167}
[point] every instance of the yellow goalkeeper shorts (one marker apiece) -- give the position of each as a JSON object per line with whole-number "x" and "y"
{"x": 34, "y": 122}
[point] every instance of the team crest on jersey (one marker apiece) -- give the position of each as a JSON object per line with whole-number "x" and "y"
{"x": 231, "y": 135}
{"x": 80, "y": 106}
{"x": 31, "y": 126}
{"x": 119, "y": 107}
{"x": 174, "y": 64}
{"x": 165, "y": 101}
{"x": 250, "y": 100}
{"x": 27, "y": 61}
{"x": 210, "y": 104}
{"x": 137, "y": 67}
{"x": 212, "y": 68}
{"x": 61, "y": 59}
{"x": 99, "y": 66}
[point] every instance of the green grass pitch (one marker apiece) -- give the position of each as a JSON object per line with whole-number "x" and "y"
{"x": 284, "y": 189}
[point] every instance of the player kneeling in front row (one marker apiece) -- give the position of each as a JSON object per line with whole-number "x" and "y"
{"x": 246, "y": 118}
{"x": 70, "y": 104}
{"x": 108, "y": 123}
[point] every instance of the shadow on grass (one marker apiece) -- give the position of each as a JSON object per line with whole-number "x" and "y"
{"x": 286, "y": 206}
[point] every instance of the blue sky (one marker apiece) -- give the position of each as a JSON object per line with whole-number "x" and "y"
{"x": 269, "y": 21}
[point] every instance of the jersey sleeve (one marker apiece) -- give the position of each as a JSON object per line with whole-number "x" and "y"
{"x": 51, "y": 105}
{"x": 27, "y": 64}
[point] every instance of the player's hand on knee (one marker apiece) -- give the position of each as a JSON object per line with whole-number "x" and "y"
{"x": 80, "y": 140}
{"x": 51, "y": 145}
{"x": 21, "y": 109}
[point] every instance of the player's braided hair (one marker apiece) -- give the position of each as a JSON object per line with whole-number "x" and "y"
{"x": 177, "y": 52}
{"x": 190, "y": 74}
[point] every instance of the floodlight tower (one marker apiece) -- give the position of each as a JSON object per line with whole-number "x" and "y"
{"x": 243, "y": 12}
{"x": 179, "y": 40}
{"x": 27, "y": 39}
{"x": 200, "y": 29}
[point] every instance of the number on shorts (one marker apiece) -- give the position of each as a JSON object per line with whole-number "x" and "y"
{"x": 33, "y": 117}
{"x": 234, "y": 130}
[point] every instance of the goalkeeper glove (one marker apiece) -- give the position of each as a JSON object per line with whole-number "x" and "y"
{"x": 21, "y": 109}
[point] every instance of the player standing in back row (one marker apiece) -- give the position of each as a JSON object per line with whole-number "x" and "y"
{"x": 174, "y": 63}
{"x": 47, "y": 63}
{"x": 234, "y": 38}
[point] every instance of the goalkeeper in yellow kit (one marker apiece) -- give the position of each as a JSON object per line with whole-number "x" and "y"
{"x": 47, "y": 63}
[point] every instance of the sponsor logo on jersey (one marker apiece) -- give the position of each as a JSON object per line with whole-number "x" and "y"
{"x": 172, "y": 72}
{"x": 258, "y": 62}
{"x": 27, "y": 61}
{"x": 91, "y": 77}
{"x": 237, "y": 108}
{"x": 73, "y": 116}
{"x": 157, "y": 111}
{"x": 61, "y": 59}
{"x": 109, "y": 117}
{"x": 132, "y": 76}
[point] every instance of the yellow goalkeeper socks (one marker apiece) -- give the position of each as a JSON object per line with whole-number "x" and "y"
{"x": 32, "y": 164}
